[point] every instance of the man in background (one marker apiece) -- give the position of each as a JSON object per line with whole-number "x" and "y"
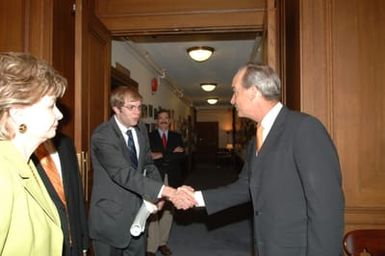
{"x": 57, "y": 165}
{"x": 167, "y": 152}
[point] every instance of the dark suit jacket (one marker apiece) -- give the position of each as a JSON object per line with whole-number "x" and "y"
{"x": 171, "y": 162}
{"x": 74, "y": 196}
{"x": 294, "y": 185}
{"x": 118, "y": 188}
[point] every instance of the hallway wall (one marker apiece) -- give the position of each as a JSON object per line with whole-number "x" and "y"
{"x": 142, "y": 73}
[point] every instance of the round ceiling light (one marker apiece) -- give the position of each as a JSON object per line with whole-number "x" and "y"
{"x": 208, "y": 87}
{"x": 212, "y": 101}
{"x": 200, "y": 53}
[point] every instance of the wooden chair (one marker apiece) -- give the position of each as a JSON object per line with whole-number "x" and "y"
{"x": 371, "y": 241}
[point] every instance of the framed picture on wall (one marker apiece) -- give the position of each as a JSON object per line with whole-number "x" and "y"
{"x": 152, "y": 126}
{"x": 155, "y": 112}
{"x": 148, "y": 127}
{"x": 144, "y": 111}
{"x": 172, "y": 113}
{"x": 150, "y": 109}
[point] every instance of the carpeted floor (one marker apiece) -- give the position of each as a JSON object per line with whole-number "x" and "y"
{"x": 225, "y": 233}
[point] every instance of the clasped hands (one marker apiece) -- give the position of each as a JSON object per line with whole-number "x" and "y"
{"x": 182, "y": 197}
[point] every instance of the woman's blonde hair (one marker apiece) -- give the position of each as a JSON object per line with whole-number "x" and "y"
{"x": 24, "y": 80}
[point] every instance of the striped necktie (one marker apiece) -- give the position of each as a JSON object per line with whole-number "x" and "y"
{"x": 132, "y": 149}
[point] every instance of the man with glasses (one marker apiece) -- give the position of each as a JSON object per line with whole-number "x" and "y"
{"x": 124, "y": 176}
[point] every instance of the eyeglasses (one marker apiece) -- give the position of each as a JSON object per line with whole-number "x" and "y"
{"x": 132, "y": 107}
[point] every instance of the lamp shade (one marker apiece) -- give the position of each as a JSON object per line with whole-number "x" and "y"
{"x": 229, "y": 146}
{"x": 200, "y": 53}
{"x": 212, "y": 101}
{"x": 208, "y": 87}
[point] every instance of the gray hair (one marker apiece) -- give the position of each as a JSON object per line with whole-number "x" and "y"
{"x": 264, "y": 79}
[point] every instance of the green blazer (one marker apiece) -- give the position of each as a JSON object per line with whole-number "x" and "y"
{"x": 29, "y": 221}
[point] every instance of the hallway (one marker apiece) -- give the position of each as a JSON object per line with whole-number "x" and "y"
{"x": 225, "y": 233}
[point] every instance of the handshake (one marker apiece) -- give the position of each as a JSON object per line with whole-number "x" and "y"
{"x": 182, "y": 197}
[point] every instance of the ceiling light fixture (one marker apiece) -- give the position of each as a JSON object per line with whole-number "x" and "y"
{"x": 208, "y": 87}
{"x": 200, "y": 53}
{"x": 212, "y": 101}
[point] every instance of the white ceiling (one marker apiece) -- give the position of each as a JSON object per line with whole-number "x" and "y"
{"x": 186, "y": 75}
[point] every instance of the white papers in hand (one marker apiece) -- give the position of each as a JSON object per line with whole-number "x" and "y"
{"x": 139, "y": 223}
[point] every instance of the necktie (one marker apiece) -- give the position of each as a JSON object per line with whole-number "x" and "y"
{"x": 50, "y": 169}
{"x": 164, "y": 140}
{"x": 131, "y": 149}
{"x": 259, "y": 141}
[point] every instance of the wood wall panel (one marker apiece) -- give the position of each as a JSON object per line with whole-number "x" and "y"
{"x": 137, "y": 7}
{"x": 12, "y": 26}
{"x": 26, "y": 26}
{"x": 92, "y": 82}
{"x": 290, "y": 53}
{"x": 123, "y": 17}
{"x": 359, "y": 64}
{"x": 315, "y": 65}
{"x": 63, "y": 59}
{"x": 342, "y": 58}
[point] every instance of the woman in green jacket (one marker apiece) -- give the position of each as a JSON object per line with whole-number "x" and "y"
{"x": 29, "y": 221}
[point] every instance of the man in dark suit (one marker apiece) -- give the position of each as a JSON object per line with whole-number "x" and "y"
{"x": 124, "y": 176}
{"x": 167, "y": 152}
{"x": 72, "y": 211}
{"x": 292, "y": 176}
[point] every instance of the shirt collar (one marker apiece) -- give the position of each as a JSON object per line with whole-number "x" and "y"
{"x": 161, "y": 132}
{"x": 121, "y": 127}
{"x": 268, "y": 121}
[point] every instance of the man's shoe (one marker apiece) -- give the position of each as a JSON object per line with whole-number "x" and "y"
{"x": 164, "y": 250}
{"x": 150, "y": 254}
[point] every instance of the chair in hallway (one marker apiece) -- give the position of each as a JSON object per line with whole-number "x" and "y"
{"x": 371, "y": 241}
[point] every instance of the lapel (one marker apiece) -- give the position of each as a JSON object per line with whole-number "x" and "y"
{"x": 121, "y": 141}
{"x": 65, "y": 164}
{"x": 36, "y": 188}
{"x": 32, "y": 182}
{"x": 170, "y": 140}
{"x": 258, "y": 164}
{"x": 47, "y": 183}
{"x": 271, "y": 141}
{"x": 141, "y": 141}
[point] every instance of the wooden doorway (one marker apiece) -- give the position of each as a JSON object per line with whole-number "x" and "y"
{"x": 207, "y": 143}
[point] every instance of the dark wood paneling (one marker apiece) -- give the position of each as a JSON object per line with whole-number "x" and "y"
{"x": 12, "y": 26}
{"x": 63, "y": 58}
{"x": 123, "y": 17}
{"x": 341, "y": 70}
{"x": 358, "y": 39}
{"x": 291, "y": 53}
{"x": 92, "y": 82}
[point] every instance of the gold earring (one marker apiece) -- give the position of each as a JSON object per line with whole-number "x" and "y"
{"x": 22, "y": 128}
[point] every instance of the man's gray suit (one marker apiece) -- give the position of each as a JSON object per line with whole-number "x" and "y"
{"x": 294, "y": 185}
{"x": 118, "y": 188}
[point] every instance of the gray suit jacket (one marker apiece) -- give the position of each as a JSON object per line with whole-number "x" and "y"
{"x": 118, "y": 188}
{"x": 294, "y": 185}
